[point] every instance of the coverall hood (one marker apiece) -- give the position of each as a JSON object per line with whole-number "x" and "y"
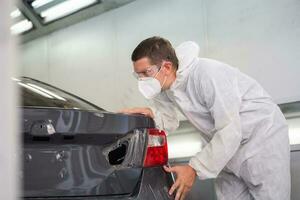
{"x": 187, "y": 52}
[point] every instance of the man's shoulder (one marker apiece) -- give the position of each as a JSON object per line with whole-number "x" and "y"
{"x": 207, "y": 70}
{"x": 206, "y": 66}
{"x": 211, "y": 67}
{"x": 211, "y": 64}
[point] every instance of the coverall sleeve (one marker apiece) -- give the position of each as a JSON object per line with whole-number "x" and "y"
{"x": 165, "y": 115}
{"x": 221, "y": 96}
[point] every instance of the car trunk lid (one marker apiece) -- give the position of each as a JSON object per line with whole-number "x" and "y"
{"x": 82, "y": 153}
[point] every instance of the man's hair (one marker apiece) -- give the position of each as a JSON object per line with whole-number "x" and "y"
{"x": 156, "y": 49}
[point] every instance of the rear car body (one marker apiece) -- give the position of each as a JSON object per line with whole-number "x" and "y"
{"x": 73, "y": 149}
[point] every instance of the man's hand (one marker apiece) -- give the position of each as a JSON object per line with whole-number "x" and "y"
{"x": 145, "y": 111}
{"x": 185, "y": 179}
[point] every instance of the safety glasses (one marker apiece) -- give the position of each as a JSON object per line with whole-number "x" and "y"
{"x": 149, "y": 72}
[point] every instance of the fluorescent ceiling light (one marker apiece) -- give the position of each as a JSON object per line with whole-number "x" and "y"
{"x": 21, "y": 27}
{"x": 16, "y": 13}
{"x": 39, "y": 3}
{"x": 65, "y": 8}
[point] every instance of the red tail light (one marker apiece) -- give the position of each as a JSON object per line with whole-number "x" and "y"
{"x": 157, "y": 150}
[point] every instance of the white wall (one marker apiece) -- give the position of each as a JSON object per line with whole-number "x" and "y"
{"x": 9, "y": 122}
{"x": 262, "y": 38}
{"x": 92, "y": 58}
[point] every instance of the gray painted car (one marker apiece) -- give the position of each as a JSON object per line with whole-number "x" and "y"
{"x": 73, "y": 149}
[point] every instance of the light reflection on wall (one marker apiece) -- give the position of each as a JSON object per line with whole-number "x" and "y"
{"x": 294, "y": 130}
{"x": 186, "y": 141}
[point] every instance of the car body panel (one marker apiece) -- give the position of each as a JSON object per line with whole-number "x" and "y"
{"x": 84, "y": 152}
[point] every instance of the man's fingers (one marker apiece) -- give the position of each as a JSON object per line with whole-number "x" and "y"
{"x": 179, "y": 192}
{"x": 131, "y": 111}
{"x": 184, "y": 182}
{"x": 169, "y": 169}
{"x": 174, "y": 187}
{"x": 184, "y": 193}
{"x": 144, "y": 111}
{"x": 124, "y": 111}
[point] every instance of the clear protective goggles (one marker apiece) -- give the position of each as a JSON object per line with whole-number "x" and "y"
{"x": 149, "y": 72}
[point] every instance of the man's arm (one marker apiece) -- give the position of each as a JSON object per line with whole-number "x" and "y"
{"x": 221, "y": 95}
{"x": 165, "y": 115}
{"x": 162, "y": 111}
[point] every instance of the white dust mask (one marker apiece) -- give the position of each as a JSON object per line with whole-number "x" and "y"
{"x": 149, "y": 87}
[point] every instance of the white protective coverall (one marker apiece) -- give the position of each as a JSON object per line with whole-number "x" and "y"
{"x": 248, "y": 148}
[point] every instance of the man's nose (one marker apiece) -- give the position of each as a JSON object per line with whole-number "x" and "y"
{"x": 142, "y": 75}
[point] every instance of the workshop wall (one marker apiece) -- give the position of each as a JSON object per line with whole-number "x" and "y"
{"x": 92, "y": 58}
{"x": 262, "y": 38}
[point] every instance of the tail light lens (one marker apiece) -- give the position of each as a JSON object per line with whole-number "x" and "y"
{"x": 157, "y": 149}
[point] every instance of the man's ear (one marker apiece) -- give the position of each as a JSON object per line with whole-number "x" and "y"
{"x": 168, "y": 67}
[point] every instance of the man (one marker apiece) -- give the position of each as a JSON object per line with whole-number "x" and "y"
{"x": 248, "y": 146}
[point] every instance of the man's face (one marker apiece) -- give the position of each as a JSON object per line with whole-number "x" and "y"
{"x": 143, "y": 68}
